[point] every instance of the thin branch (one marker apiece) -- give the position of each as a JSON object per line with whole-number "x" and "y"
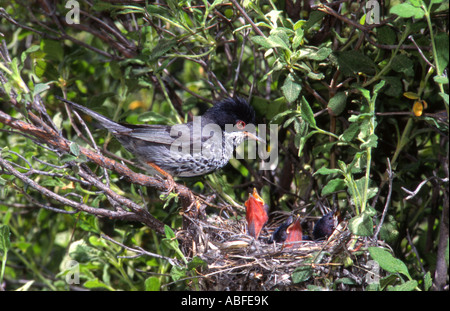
{"x": 57, "y": 197}
{"x": 412, "y": 194}
{"x": 247, "y": 18}
{"x": 388, "y": 200}
{"x": 410, "y": 37}
{"x": 139, "y": 251}
{"x": 63, "y": 145}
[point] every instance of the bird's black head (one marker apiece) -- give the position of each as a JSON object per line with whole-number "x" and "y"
{"x": 235, "y": 111}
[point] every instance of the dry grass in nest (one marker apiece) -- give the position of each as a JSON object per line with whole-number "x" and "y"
{"x": 236, "y": 261}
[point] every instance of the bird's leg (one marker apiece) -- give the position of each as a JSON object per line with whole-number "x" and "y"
{"x": 168, "y": 177}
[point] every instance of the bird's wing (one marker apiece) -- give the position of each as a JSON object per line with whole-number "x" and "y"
{"x": 160, "y": 134}
{"x": 165, "y": 134}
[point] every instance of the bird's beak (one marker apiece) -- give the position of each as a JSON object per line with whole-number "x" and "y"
{"x": 294, "y": 234}
{"x": 254, "y": 137}
{"x": 256, "y": 214}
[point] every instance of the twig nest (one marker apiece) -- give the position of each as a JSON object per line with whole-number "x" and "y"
{"x": 237, "y": 261}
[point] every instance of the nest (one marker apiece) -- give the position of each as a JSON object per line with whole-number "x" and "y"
{"x": 237, "y": 261}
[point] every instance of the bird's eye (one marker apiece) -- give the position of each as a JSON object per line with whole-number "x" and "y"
{"x": 240, "y": 125}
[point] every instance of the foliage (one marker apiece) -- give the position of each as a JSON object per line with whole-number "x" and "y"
{"x": 361, "y": 108}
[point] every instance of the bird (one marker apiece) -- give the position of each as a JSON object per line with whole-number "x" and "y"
{"x": 190, "y": 149}
{"x": 294, "y": 233}
{"x": 325, "y": 226}
{"x": 279, "y": 235}
{"x": 290, "y": 231}
{"x": 255, "y": 214}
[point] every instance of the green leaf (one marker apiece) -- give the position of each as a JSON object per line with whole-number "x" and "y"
{"x": 260, "y": 40}
{"x": 386, "y": 35}
{"x": 177, "y": 273}
{"x": 333, "y": 185}
{"x": 83, "y": 252}
{"x": 53, "y": 50}
{"x": 322, "y": 148}
{"x": 320, "y": 54}
{"x": 53, "y": 182}
{"x": 337, "y": 103}
{"x": 171, "y": 241}
{"x": 372, "y": 142}
{"x": 152, "y": 284}
{"x": 67, "y": 158}
{"x": 377, "y": 88}
{"x": 427, "y": 281}
{"x": 281, "y": 37}
{"x": 197, "y": 263}
{"x": 291, "y": 88}
{"x": 389, "y": 231}
{"x": 350, "y": 133}
{"x": 388, "y": 262}
{"x": 169, "y": 233}
{"x": 407, "y": 10}
{"x": 361, "y": 225}
{"x": 302, "y": 273}
{"x": 416, "y": 3}
{"x": 315, "y": 76}
{"x": 353, "y": 62}
{"x": 314, "y": 17}
{"x": 5, "y": 242}
{"x": 22, "y": 246}
{"x": 440, "y": 79}
{"x": 394, "y": 86}
{"x": 31, "y": 49}
{"x": 445, "y": 97}
{"x": 442, "y": 50}
{"x": 39, "y": 88}
{"x": 281, "y": 115}
{"x": 361, "y": 116}
{"x": 402, "y": 63}
{"x": 365, "y": 93}
{"x": 327, "y": 171}
{"x": 405, "y": 287}
{"x": 273, "y": 41}
{"x": 161, "y": 48}
{"x": 74, "y": 149}
{"x": 96, "y": 283}
{"x": 307, "y": 113}
{"x": 371, "y": 192}
{"x": 298, "y": 38}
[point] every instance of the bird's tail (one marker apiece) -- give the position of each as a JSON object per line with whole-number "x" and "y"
{"x": 109, "y": 124}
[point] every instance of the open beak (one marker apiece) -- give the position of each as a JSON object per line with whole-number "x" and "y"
{"x": 256, "y": 214}
{"x": 294, "y": 234}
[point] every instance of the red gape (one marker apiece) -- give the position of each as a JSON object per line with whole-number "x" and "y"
{"x": 294, "y": 234}
{"x": 256, "y": 214}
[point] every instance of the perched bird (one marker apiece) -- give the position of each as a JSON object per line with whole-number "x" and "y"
{"x": 256, "y": 214}
{"x": 190, "y": 149}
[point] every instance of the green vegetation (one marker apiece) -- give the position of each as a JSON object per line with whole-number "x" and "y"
{"x": 362, "y": 110}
